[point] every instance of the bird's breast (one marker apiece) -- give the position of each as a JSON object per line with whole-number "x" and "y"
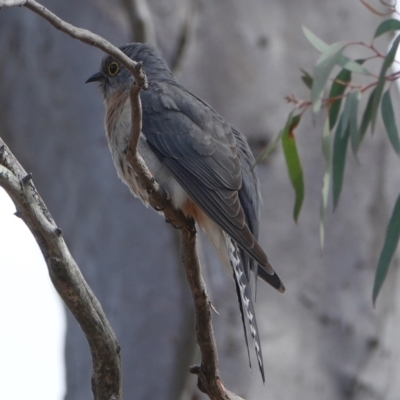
{"x": 118, "y": 127}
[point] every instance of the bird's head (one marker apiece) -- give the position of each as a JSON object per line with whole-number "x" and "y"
{"x": 114, "y": 77}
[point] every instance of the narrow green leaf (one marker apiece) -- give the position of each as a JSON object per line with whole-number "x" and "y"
{"x": 390, "y": 121}
{"x": 268, "y": 150}
{"x": 315, "y": 41}
{"x": 339, "y": 152}
{"x": 353, "y": 66}
{"x": 354, "y": 100}
{"x": 293, "y": 162}
{"x": 366, "y": 119}
{"x": 323, "y": 69}
{"x": 389, "y": 247}
{"x": 307, "y": 78}
{"x": 387, "y": 26}
{"x": 343, "y": 61}
{"x": 381, "y": 81}
{"x": 338, "y": 164}
{"x": 326, "y": 151}
{"x": 337, "y": 89}
{"x": 274, "y": 142}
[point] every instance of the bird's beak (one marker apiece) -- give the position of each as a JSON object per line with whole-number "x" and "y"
{"x": 95, "y": 78}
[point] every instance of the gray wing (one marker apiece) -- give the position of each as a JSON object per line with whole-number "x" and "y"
{"x": 199, "y": 148}
{"x": 250, "y": 198}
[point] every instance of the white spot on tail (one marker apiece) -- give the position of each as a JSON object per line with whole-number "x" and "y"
{"x": 245, "y": 297}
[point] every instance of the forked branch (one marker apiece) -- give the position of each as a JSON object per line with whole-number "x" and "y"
{"x": 66, "y": 276}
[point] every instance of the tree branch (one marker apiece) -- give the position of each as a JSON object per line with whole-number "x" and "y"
{"x": 208, "y": 376}
{"x": 83, "y": 35}
{"x": 207, "y": 373}
{"x": 141, "y": 22}
{"x": 184, "y": 37}
{"x": 65, "y": 274}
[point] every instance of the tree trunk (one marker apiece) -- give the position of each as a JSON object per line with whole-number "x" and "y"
{"x": 323, "y": 338}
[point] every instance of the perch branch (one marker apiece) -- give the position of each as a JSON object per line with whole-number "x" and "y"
{"x": 208, "y": 376}
{"x": 66, "y": 276}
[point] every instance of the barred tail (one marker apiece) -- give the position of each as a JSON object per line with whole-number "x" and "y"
{"x": 243, "y": 290}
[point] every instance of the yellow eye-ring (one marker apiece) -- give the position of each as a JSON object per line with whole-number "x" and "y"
{"x": 113, "y": 68}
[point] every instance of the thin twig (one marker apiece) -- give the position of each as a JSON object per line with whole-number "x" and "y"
{"x": 391, "y": 9}
{"x": 66, "y": 277}
{"x": 303, "y": 105}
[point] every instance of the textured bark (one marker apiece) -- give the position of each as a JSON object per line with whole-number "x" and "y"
{"x": 66, "y": 277}
{"x": 323, "y": 338}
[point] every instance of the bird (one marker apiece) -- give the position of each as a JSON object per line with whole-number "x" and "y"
{"x": 203, "y": 163}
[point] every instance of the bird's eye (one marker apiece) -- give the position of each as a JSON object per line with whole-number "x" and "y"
{"x": 113, "y": 68}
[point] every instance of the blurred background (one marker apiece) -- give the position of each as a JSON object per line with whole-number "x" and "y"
{"x": 322, "y": 339}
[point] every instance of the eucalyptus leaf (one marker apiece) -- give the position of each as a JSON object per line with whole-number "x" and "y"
{"x": 323, "y": 69}
{"x": 381, "y": 80}
{"x": 354, "y": 100}
{"x": 387, "y": 26}
{"x": 337, "y": 90}
{"x": 389, "y": 121}
{"x": 343, "y": 61}
{"x": 352, "y": 66}
{"x": 339, "y": 151}
{"x": 366, "y": 119}
{"x": 307, "y": 78}
{"x": 327, "y": 152}
{"x": 293, "y": 162}
{"x": 389, "y": 247}
{"x": 315, "y": 41}
{"x": 270, "y": 147}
